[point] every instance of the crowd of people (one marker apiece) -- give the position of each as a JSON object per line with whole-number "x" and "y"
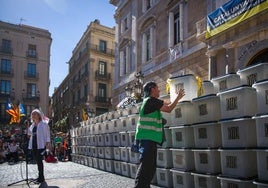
{"x": 62, "y": 149}
{"x": 10, "y": 148}
{"x": 149, "y": 134}
{"x": 14, "y": 147}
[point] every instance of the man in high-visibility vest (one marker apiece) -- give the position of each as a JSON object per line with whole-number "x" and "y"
{"x": 149, "y": 131}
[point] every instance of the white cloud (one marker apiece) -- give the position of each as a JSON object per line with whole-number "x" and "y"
{"x": 59, "y": 6}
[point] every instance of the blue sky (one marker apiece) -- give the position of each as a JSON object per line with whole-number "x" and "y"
{"x": 66, "y": 20}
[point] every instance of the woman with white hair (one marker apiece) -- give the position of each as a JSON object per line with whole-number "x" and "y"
{"x": 39, "y": 133}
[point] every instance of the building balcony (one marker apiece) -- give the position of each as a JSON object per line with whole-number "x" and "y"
{"x": 8, "y": 74}
{"x": 201, "y": 27}
{"x": 6, "y": 95}
{"x": 98, "y": 49}
{"x": 6, "y": 50}
{"x": 103, "y": 77}
{"x": 31, "y": 97}
{"x": 29, "y": 76}
{"x": 31, "y": 54}
{"x": 104, "y": 100}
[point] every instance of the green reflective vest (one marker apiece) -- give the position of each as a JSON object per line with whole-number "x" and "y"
{"x": 149, "y": 126}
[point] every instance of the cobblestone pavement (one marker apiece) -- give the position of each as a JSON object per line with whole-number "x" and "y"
{"x": 62, "y": 175}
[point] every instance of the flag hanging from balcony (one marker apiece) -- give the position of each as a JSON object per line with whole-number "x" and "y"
{"x": 232, "y": 13}
{"x": 84, "y": 115}
{"x": 14, "y": 111}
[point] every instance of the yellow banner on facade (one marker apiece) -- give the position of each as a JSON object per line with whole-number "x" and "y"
{"x": 232, "y": 13}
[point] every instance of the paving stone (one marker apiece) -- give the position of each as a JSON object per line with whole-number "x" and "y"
{"x": 62, "y": 175}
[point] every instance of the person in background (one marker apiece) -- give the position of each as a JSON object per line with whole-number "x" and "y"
{"x": 13, "y": 151}
{"x": 60, "y": 152}
{"x": 57, "y": 144}
{"x": 65, "y": 147}
{"x": 39, "y": 133}
{"x": 149, "y": 131}
{"x": 57, "y": 139}
{"x": 2, "y": 152}
{"x": 69, "y": 149}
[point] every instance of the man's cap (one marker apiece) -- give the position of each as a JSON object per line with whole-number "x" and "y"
{"x": 147, "y": 87}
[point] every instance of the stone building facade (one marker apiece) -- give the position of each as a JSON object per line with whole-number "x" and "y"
{"x": 25, "y": 63}
{"x": 163, "y": 39}
{"x": 88, "y": 85}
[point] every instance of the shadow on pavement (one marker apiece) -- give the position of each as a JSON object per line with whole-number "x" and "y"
{"x": 44, "y": 185}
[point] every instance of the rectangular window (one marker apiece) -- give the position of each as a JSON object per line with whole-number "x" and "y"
{"x": 31, "y": 90}
{"x": 5, "y": 87}
{"x": 125, "y": 61}
{"x": 31, "y": 70}
{"x": 32, "y": 50}
{"x": 125, "y": 24}
{"x": 102, "y": 90}
{"x": 148, "y": 45}
{"x": 103, "y": 46}
{"x": 124, "y": 123}
{"x": 148, "y": 4}
{"x": 176, "y": 28}
{"x": 5, "y": 66}
{"x": 6, "y": 46}
{"x": 102, "y": 68}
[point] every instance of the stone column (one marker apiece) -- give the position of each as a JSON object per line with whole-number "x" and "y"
{"x": 230, "y": 57}
{"x": 181, "y": 20}
{"x": 171, "y": 29}
{"x": 212, "y": 65}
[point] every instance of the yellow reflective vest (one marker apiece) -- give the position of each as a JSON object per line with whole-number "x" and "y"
{"x": 149, "y": 126}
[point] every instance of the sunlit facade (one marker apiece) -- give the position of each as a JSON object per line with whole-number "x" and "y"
{"x": 168, "y": 38}
{"x": 25, "y": 63}
{"x": 88, "y": 85}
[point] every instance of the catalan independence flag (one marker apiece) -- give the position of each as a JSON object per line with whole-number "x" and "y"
{"x": 22, "y": 111}
{"x": 14, "y": 111}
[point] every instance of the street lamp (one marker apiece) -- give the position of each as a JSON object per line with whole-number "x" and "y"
{"x": 134, "y": 91}
{"x": 90, "y": 113}
{"x": 128, "y": 90}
